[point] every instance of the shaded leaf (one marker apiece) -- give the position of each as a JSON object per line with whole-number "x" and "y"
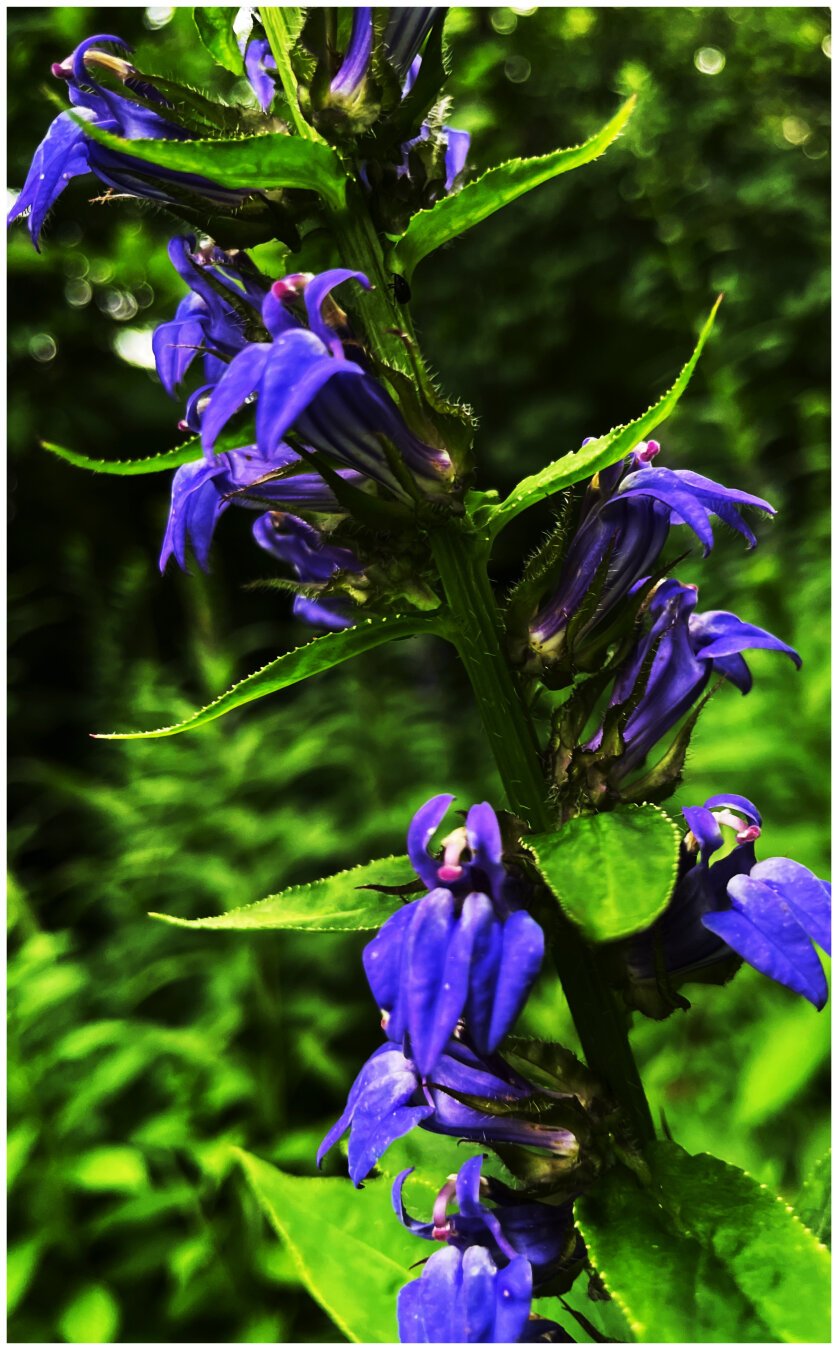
{"x": 292, "y": 667}
{"x": 612, "y": 873}
{"x": 215, "y": 29}
{"x": 332, "y": 905}
{"x": 351, "y": 1253}
{"x": 601, "y": 453}
{"x": 453, "y": 215}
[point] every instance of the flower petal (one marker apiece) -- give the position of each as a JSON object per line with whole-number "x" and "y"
{"x": 766, "y": 934}
{"x": 422, "y": 829}
{"x": 239, "y": 380}
{"x": 809, "y": 898}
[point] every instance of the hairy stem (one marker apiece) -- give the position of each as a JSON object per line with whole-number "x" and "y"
{"x": 476, "y": 629}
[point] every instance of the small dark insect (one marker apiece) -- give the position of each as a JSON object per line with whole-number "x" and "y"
{"x": 401, "y": 290}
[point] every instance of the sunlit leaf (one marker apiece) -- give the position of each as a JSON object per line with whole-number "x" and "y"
{"x": 332, "y": 905}
{"x": 215, "y": 29}
{"x": 705, "y": 1253}
{"x": 274, "y": 160}
{"x": 601, "y": 453}
{"x": 814, "y": 1203}
{"x": 292, "y": 667}
{"x": 125, "y": 468}
{"x": 453, "y": 215}
{"x": 352, "y": 1254}
{"x": 612, "y": 873}
{"x": 92, "y": 1318}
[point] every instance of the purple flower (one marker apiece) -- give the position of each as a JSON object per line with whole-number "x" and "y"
{"x": 203, "y": 489}
{"x": 541, "y": 1233}
{"x": 304, "y": 381}
{"x": 355, "y": 64}
{"x": 463, "y": 1297}
{"x": 626, "y": 517}
{"x": 314, "y": 560}
{"x": 465, "y": 950}
{"x": 389, "y": 1098}
{"x": 672, "y": 663}
{"x": 259, "y": 62}
{"x": 768, "y": 913}
{"x": 204, "y": 323}
{"x": 66, "y": 152}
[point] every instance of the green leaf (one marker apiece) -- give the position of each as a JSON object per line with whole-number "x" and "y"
{"x": 231, "y": 439}
{"x": 814, "y": 1203}
{"x": 283, "y": 25}
{"x": 792, "y": 1047}
{"x": 332, "y": 905}
{"x": 352, "y": 1254}
{"x": 292, "y": 667}
{"x": 215, "y": 29}
{"x": 601, "y": 453}
{"x": 22, "y": 1260}
{"x": 611, "y": 873}
{"x": 274, "y": 160}
{"x": 92, "y": 1318}
{"x": 126, "y": 468}
{"x": 705, "y": 1254}
{"x": 452, "y": 216}
{"x": 113, "y": 1167}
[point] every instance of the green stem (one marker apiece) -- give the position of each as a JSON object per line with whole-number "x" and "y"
{"x": 461, "y": 556}
{"x": 476, "y": 629}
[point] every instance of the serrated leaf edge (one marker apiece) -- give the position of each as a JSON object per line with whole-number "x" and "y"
{"x": 211, "y": 920}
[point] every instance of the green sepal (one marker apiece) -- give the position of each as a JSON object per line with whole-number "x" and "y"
{"x": 552, "y": 1066}
{"x": 453, "y": 215}
{"x": 613, "y": 872}
{"x": 215, "y": 29}
{"x": 332, "y": 649}
{"x": 603, "y": 452}
{"x": 540, "y": 570}
{"x": 663, "y": 780}
{"x": 357, "y": 900}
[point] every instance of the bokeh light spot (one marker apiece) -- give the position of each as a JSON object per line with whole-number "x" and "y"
{"x": 709, "y": 60}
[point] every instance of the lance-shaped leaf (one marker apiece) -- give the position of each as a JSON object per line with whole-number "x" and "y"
{"x": 350, "y": 1253}
{"x": 602, "y": 452}
{"x": 127, "y": 468}
{"x": 705, "y": 1253}
{"x": 331, "y": 905}
{"x": 215, "y": 29}
{"x": 233, "y": 439}
{"x": 612, "y": 873}
{"x": 283, "y": 25}
{"x": 271, "y": 161}
{"x": 453, "y": 215}
{"x": 292, "y": 667}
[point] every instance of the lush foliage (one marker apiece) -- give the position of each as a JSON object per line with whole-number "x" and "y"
{"x": 142, "y": 1055}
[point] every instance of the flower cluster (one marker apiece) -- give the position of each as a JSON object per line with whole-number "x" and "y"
{"x": 68, "y": 151}
{"x": 450, "y": 972}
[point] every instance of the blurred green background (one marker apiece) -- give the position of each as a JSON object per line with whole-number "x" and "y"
{"x": 138, "y": 1053}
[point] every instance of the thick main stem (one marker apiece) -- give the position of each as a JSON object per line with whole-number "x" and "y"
{"x": 476, "y": 629}
{"x": 460, "y": 555}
